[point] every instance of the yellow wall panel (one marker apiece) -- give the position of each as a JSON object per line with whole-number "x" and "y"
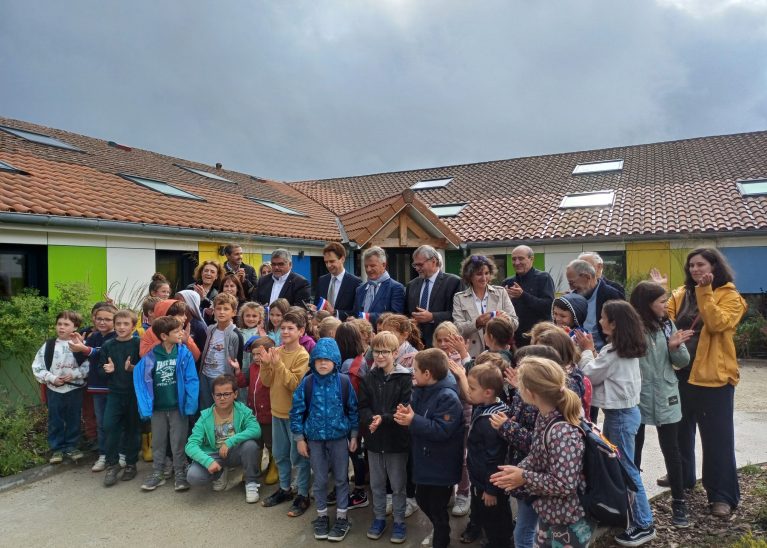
{"x": 643, "y": 256}
{"x": 209, "y": 251}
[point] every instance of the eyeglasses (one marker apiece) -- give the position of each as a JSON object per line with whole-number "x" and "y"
{"x": 222, "y": 395}
{"x": 420, "y": 265}
{"x": 104, "y": 320}
{"x": 381, "y": 352}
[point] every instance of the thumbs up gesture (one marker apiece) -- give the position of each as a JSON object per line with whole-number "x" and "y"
{"x": 109, "y": 367}
{"x": 128, "y": 365}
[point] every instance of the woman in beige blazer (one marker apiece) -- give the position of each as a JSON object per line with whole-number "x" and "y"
{"x": 474, "y": 307}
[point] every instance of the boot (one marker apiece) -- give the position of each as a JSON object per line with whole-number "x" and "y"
{"x": 146, "y": 447}
{"x": 272, "y": 476}
{"x": 679, "y": 513}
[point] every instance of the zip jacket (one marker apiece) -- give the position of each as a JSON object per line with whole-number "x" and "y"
{"x": 202, "y": 441}
{"x": 187, "y": 382}
{"x": 379, "y": 395}
{"x": 486, "y": 450}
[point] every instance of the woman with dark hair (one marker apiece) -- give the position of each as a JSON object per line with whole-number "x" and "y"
{"x": 709, "y": 305}
{"x": 480, "y": 302}
{"x": 232, "y": 284}
{"x": 659, "y": 399}
{"x": 207, "y": 281}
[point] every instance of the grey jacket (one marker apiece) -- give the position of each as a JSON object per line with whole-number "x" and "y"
{"x": 659, "y": 399}
{"x": 616, "y": 381}
{"x": 233, "y": 345}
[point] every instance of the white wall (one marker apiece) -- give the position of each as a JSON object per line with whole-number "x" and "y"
{"x": 129, "y": 271}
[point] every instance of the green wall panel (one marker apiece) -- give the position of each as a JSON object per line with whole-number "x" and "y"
{"x": 539, "y": 261}
{"x": 78, "y": 264}
{"x": 453, "y": 260}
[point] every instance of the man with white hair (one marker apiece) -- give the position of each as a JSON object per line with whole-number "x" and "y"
{"x": 595, "y": 260}
{"x": 583, "y": 280}
{"x": 282, "y": 282}
{"x": 380, "y": 293}
{"x": 531, "y": 292}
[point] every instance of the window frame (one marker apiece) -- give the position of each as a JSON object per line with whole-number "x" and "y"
{"x": 203, "y": 173}
{"x": 743, "y": 183}
{"x": 461, "y": 207}
{"x": 563, "y": 205}
{"x": 428, "y": 184}
{"x": 587, "y": 171}
{"x": 57, "y": 143}
{"x": 276, "y": 207}
{"x": 136, "y": 179}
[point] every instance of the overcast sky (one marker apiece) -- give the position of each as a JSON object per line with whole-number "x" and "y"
{"x": 303, "y": 90}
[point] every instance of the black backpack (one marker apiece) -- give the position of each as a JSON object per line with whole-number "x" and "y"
{"x": 607, "y": 497}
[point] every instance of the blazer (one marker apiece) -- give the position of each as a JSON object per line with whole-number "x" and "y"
{"x": 465, "y": 315}
{"x": 344, "y": 296}
{"x": 389, "y": 298}
{"x": 295, "y": 290}
{"x": 440, "y": 302}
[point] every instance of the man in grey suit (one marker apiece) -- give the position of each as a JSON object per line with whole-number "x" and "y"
{"x": 429, "y": 298}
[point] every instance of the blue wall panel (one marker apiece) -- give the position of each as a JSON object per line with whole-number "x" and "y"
{"x": 749, "y": 264}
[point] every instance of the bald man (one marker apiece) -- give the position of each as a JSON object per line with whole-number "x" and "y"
{"x": 531, "y": 292}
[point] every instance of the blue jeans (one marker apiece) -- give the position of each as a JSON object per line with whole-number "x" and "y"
{"x": 620, "y": 427}
{"x": 527, "y": 523}
{"x": 99, "y": 406}
{"x": 64, "y": 412}
{"x": 286, "y": 455}
{"x": 326, "y": 456}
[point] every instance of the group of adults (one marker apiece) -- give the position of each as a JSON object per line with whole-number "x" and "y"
{"x": 471, "y": 301}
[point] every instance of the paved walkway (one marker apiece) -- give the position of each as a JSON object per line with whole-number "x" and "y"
{"x": 73, "y": 509}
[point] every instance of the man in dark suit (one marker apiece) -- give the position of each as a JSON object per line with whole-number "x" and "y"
{"x": 595, "y": 260}
{"x": 531, "y": 292}
{"x": 380, "y": 293}
{"x": 583, "y": 280}
{"x": 429, "y": 298}
{"x": 234, "y": 264}
{"x": 338, "y": 287}
{"x": 282, "y": 282}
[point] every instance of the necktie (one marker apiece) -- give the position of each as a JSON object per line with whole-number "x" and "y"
{"x": 332, "y": 292}
{"x": 425, "y": 294}
{"x": 370, "y": 295}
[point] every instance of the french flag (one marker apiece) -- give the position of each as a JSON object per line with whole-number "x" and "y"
{"x": 364, "y": 315}
{"x": 266, "y": 313}
{"x": 493, "y": 314}
{"x": 322, "y": 303}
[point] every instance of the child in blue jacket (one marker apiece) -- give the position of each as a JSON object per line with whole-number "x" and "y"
{"x": 436, "y": 427}
{"x": 324, "y": 422}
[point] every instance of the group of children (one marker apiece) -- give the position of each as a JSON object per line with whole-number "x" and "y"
{"x": 317, "y": 393}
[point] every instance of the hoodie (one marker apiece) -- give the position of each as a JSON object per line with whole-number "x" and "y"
{"x": 198, "y": 328}
{"x": 328, "y": 416}
{"x": 486, "y": 449}
{"x": 576, "y": 304}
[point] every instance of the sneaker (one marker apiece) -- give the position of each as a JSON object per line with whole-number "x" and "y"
{"x": 340, "y": 529}
{"x": 679, "y": 514}
{"x": 428, "y": 540}
{"x": 122, "y": 461}
{"x": 219, "y": 484}
{"x": 251, "y": 492}
{"x": 331, "y": 498}
{"x": 636, "y": 536}
{"x": 321, "y": 527}
{"x": 461, "y": 506}
{"x": 376, "y": 529}
{"x": 470, "y": 534}
{"x": 278, "y": 497}
{"x": 167, "y": 470}
{"x": 110, "y": 478}
{"x": 74, "y": 455}
{"x": 129, "y": 472}
{"x": 100, "y": 465}
{"x": 411, "y": 507}
{"x": 180, "y": 484}
{"x": 299, "y": 506}
{"x": 389, "y": 505}
{"x": 398, "y": 533}
{"x": 153, "y": 481}
{"x": 663, "y": 481}
{"x": 721, "y": 510}
{"x": 56, "y": 458}
{"x": 358, "y": 499}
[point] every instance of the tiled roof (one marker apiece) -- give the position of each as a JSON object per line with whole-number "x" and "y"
{"x": 85, "y": 184}
{"x": 363, "y": 223}
{"x": 674, "y": 188}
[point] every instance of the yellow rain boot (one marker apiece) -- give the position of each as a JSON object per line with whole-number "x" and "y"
{"x": 146, "y": 447}
{"x": 272, "y": 476}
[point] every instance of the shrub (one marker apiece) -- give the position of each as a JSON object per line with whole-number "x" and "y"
{"x": 23, "y": 439}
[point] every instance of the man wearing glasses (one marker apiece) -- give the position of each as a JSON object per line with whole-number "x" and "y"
{"x": 429, "y": 298}
{"x": 282, "y": 282}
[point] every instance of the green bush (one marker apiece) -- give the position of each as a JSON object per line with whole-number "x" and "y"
{"x": 751, "y": 335}
{"x": 23, "y": 439}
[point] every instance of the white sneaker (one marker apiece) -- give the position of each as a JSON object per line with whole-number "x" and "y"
{"x": 428, "y": 540}
{"x": 389, "y": 505}
{"x": 251, "y": 492}
{"x": 461, "y": 506}
{"x": 411, "y": 507}
{"x": 220, "y": 483}
{"x": 122, "y": 461}
{"x": 100, "y": 465}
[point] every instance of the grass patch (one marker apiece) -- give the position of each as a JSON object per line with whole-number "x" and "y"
{"x": 749, "y": 541}
{"x": 751, "y": 470}
{"x": 23, "y": 438}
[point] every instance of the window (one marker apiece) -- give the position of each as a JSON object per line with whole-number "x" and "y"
{"x": 588, "y": 199}
{"x": 598, "y": 167}
{"x": 431, "y": 183}
{"x": 204, "y": 173}
{"x": 23, "y": 266}
{"x": 276, "y": 206}
{"x": 178, "y": 266}
{"x": 8, "y": 167}
{"x": 39, "y": 138}
{"x": 447, "y": 210}
{"x": 161, "y": 187}
{"x": 753, "y": 188}
{"x": 614, "y": 265}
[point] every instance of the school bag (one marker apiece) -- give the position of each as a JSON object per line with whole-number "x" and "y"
{"x": 608, "y": 493}
{"x": 309, "y": 388}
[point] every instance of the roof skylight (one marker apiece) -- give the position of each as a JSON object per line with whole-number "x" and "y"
{"x": 8, "y": 167}
{"x": 447, "y": 210}
{"x": 588, "y": 199}
{"x": 204, "y": 173}
{"x": 276, "y": 206}
{"x": 164, "y": 188}
{"x": 39, "y": 138}
{"x": 753, "y": 188}
{"x": 431, "y": 183}
{"x": 598, "y": 167}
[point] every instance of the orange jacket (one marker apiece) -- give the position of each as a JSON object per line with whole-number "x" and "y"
{"x": 149, "y": 340}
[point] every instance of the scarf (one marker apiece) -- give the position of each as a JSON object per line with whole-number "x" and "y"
{"x": 372, "y": 289}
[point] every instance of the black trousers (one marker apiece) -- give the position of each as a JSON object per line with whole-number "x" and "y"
{"x": 710, "y": 410}
{"x": 433, "y": 501}
{"x": 495, "y": 521}
{"x": 668, "y": 439}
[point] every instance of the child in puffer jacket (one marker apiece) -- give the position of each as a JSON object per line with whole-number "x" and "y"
{"x": 324, "y": 422}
